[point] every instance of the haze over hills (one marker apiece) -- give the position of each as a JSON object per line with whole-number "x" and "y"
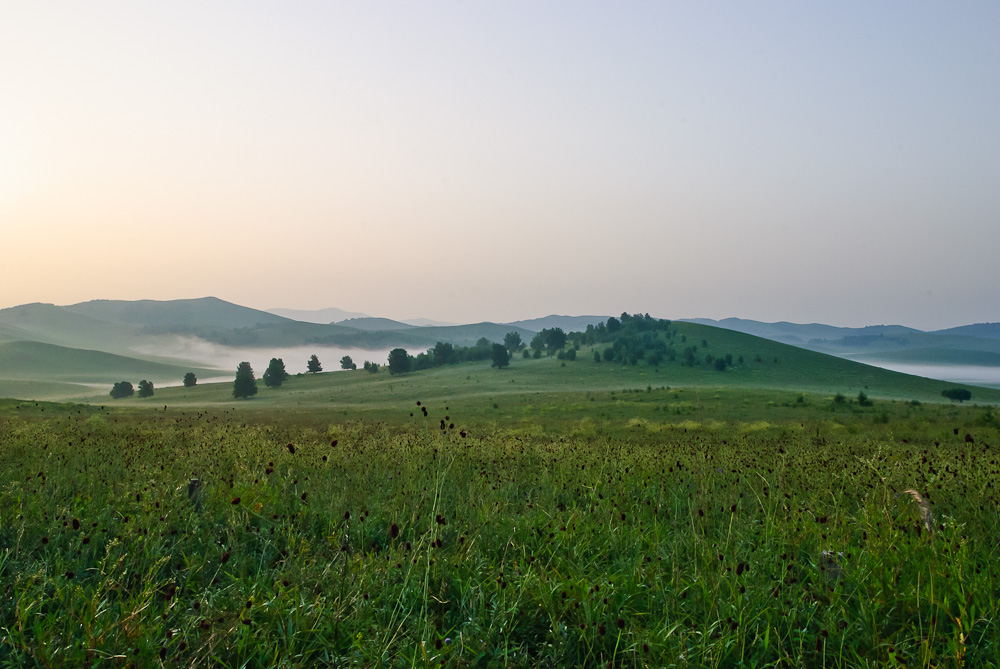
{"x": 208, "y": 333}
{"x": 321, "y": 316}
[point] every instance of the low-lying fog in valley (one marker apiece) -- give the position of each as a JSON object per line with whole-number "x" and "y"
{"x": 976, "y": 375}
{"x": 203, "y": 353}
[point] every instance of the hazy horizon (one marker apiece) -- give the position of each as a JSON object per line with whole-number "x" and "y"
{"x": 467, "y": 162}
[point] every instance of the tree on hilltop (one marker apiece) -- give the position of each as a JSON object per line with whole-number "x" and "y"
{"x": 190, "y": 380}
{"x": 245, "y": 384}
{"x": 347, "y": 363}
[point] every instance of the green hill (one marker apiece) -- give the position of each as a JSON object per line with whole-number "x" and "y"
{"x": 529, "y": 386}
{"x": 175, "y": 315}
{"x": 56, "y": 325}
{"x": 22, "y": 361}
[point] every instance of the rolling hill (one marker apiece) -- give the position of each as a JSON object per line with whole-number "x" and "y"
{"x": 759, "y": 366}
{"x": 175, "y": 315}
{"x": 68, "y": 371}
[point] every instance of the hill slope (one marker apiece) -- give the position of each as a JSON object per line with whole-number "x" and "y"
{"x": 38, "y": 361}
{"x": 175, "y": 315}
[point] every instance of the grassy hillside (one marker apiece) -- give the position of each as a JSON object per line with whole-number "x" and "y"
{"x": 175, "y": 315}
{"x": 967, "y": 345}
{"x": 23, "y": 361}
{"x": 55, "y": 325}
{"x": 547, "y": 390}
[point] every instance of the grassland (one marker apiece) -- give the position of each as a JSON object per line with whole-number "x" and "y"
{"x": 543, "y": 515}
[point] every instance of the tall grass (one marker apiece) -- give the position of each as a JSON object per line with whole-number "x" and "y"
{"x": 363, "y": 544}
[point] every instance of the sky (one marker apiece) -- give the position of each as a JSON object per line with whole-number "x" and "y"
{"x": 469, "y": 161}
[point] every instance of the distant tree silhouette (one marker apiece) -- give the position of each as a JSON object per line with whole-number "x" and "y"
{"x": 145, "y": 388}
{"x": 245, "y": 384}
{"x": 512, "y": 341}
{"x": 190, "y": 380}
{"x": 347, "y": 363}
{"x": 399, "y": 361}
{"x": 957, "y": 394}
{"x": 555, "y": 339}
{"x": 275, "y": 373}
{"x": 443, "y": 353}
{"x": 499, "y": 355}
{"x": 122, "y": 389}
{"x": 314, "y": 365}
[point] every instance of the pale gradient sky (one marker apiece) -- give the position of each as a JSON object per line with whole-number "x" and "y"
{"x": 464, "y": 161}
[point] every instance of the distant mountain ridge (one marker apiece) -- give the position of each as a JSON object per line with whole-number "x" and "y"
{"x": 369, "y": 323}
{"x": 126, "y": 327}
{"x": 199, "y": 312}
{"x": 45, "y": 343}
{"x": 320, "y": 316}
{"x": 984, "y": 330}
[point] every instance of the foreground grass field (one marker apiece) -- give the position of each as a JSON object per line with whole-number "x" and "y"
{"x": 653, "y": 527}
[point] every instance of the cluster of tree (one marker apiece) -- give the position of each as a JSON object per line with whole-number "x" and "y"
{"x": 125, "y": 389}
{"x": 371, "y": 367}
{"x": 632, "y": 339}
{"x": 443, "y": 353}
{"x": 629, "y": 347}
{"x": 957, "y": 394}
{"x": 122, "y": 389}
{"x": 549, "y": 340}
{"x": 609, "y": 331}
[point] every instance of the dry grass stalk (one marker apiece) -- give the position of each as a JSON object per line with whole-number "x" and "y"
{"x": 925, "y": 509}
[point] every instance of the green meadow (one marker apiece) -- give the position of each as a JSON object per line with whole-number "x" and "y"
{"x": 552, "y": 513}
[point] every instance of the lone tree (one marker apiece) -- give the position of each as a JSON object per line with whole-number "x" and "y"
{"x": 957, "y": 394}
{"x": 347, "y": 363}
{"x": 314, "y": 365}
{"x": 399, "y": 361}
{"x": 190, "y": 380}
{"x": 145, "y": 388}
{"x": 499, "y": 355}
{"x": 122, "y": 389}
{"x": 245, "y": 384}
{"x": 275, "y": 373}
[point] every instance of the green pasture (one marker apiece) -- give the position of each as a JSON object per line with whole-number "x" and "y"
{"x": 553, "y": 513}
{"x": 751, "y": 532}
